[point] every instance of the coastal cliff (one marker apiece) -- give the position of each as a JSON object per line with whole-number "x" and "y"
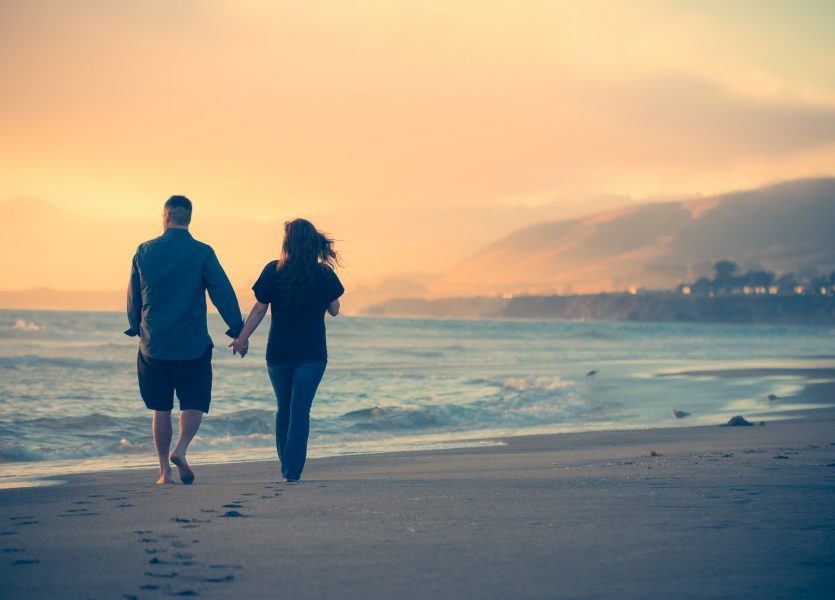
{"x": 651, "y": 306}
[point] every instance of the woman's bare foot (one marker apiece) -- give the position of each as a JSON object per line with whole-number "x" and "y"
{"x": 165, "y": 477}
{"x": 186, "y": 474}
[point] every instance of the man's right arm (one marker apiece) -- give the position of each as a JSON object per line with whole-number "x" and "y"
{"x": 222, "y": 295}
{"x": 134, "y": 300}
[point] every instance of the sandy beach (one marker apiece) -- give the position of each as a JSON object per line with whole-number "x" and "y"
{"x": 701, "y": 512}
{"x": 534, "y": 299}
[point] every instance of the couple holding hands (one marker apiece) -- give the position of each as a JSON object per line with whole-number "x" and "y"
{"x": 166, "y": 308}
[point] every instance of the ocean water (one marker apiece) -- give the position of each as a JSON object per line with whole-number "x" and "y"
{"x": 69, "y": 400}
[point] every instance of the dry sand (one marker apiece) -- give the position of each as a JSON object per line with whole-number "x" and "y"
{"x": 720, "y": 512}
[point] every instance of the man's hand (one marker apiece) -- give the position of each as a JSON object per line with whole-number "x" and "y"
{"x": 240, "y": 347}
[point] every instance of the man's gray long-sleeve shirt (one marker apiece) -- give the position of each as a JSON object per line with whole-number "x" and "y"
{"x": 167, "y": 296}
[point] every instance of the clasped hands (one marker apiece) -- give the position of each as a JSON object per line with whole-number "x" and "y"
{"x": 239, "y": 347}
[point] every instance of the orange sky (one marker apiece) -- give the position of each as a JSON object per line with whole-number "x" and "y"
{"x": 414, "y": 131}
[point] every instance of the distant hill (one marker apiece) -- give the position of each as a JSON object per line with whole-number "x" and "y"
{"x": 783, "y": 227}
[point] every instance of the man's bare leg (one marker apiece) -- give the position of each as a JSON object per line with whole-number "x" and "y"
{"x": 189, "y": 424}
{"x": 162, "y": 440}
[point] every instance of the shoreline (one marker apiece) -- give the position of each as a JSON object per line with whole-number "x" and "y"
{"x": 455, "y": 446}
{"x": 585, "y": 438}
{"x": 687, "y": 512}
{"x": 817, "y": 394}
{"x": 568, "y": 439}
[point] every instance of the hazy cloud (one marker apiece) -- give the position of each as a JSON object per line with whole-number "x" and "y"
{"x": 396, "y": 122}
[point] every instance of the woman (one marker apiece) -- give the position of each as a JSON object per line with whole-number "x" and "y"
{"x": 300, "y": 287}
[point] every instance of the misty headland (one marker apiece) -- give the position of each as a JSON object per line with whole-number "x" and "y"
{"x": 673, "y": 261}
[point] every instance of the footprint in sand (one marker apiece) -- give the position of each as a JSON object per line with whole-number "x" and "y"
{"x": 182, "y": 555}
{"x": 186, "y": 520}
{"x": 224, "y": 579}
{"x": 149, "y": 587}
{"x": 248, "y": 494}
{"x": 12, "y": 550}
{"x": 170, "y": 575}
{"x": 155, "y": 550}
{"x": 233, "y": 513}
{"x": 207, "y": 510}
{"x": 232, "y": 505}
{"x": 180, "y": 563}
{"x": 185, "y": 593}
{"x": 25, "y": 561}
{"x": 230, "y": 567}
{"x": 79, "y": 512}
{"x": 189, "y": 523}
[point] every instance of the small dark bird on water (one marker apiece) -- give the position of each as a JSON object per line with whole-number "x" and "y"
{"x": 680, "y": 414}
{"x": 591, "y": 373}
{"x": 770, "y": 397}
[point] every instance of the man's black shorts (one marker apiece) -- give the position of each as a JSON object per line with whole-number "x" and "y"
{"x": 192, "y": 380}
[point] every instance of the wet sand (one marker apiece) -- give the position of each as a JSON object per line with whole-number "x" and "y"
{"x": 736, "y": 512}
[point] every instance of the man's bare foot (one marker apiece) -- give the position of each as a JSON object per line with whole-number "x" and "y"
{"x": 186, "y": 474}
{"x": 165, "y": 478}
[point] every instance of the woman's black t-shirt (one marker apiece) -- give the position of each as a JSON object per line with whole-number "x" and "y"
{"x": 298, "y": 333}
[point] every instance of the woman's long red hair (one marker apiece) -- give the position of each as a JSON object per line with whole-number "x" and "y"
{"x": 303, "y": 250}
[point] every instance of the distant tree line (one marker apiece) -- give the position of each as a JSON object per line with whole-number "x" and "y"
{"x": 728, "y": 279}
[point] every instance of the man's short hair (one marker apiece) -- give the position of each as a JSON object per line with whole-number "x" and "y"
{"x": 179, "y": 207}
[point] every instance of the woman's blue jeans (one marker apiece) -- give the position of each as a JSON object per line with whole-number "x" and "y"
{"x": 295, "y": 385}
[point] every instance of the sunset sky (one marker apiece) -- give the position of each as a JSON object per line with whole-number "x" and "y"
{"x": 414, "y": 131}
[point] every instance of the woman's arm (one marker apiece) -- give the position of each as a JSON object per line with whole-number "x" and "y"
{"x": 333, "y": 308}
{"x": 253, "y": 320}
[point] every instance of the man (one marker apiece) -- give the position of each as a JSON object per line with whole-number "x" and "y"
{"x": 167, "y": 310}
